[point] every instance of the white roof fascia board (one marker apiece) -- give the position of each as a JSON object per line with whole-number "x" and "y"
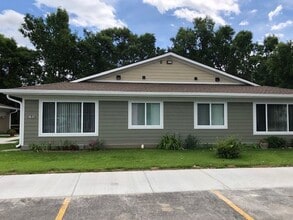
{"x": 160, "y": 57}
{"x": 21, "y": 92}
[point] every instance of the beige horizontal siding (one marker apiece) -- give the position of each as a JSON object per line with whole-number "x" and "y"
{"x": 179, "y": 71}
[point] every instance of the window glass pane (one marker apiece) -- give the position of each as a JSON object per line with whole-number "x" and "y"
{"x": 88, "y": 117}
{"x": 48, "y": 117}
{"x": 138, "y": 114}
{"x": 277, "y": 117}
{"x": 153, "y": 114}
{"x": 290, "y": 117}
{"x": 203, "y": 114}
{"x": 261, "y": 117}
{"x": 68, "y": 117}
{"x": 217, "y": 114}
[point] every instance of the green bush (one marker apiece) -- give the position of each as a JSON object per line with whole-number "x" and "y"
{"x": 95, "y": 145}
{"x": 170, "y": 142}
{"x": 228, "y": 148}
{"x": 36, "y": 147}
{"x": 63, "y": 146}
{"x": 68, "y": 145}
{"x": 276, "y": 142}
{"x": 11, "y": 132}
{"x": 191, "y": 142}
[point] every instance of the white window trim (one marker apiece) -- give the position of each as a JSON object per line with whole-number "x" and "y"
{"x": 89, "y": 134}
{"x": 130, "y": 126}
{"x": 225, "y": 126}
{"x": 255, "y": 132}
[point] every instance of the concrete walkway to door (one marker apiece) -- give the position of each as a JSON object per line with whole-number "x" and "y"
{"x": 8, "y": 140}
{"x": 137, "y": 182}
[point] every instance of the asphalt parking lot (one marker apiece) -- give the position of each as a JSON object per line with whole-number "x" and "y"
{"x": 274, "y": 203}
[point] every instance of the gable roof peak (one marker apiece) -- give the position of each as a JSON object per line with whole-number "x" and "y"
{"x": 163, "y": 56}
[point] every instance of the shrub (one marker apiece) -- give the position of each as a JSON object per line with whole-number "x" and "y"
{"x": 95, "y": 145}
{"x": 228, "y": 148}
{"x": 11, "y": 132}
{"x": 68, "y": 145}
{"x": 191, "y": 142}
{"x": 276, "y": 142}
{"x": 36, "y": 147}
{"x": 170, "y": 142}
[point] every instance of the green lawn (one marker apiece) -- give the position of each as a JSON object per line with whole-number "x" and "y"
{"x": 135, "y": 159}
{"x": 8, "y": 146}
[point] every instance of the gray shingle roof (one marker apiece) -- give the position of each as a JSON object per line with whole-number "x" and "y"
{"x": 158, "y": 87}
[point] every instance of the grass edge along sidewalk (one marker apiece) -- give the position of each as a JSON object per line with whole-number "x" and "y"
{"x": 23, "y": 162}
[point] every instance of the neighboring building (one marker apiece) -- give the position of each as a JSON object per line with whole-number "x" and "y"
{"x": 6, "y": 114}
{"x": 138, "y": 103}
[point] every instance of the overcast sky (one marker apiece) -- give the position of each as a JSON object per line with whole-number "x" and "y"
{"x": 160, "y": 17}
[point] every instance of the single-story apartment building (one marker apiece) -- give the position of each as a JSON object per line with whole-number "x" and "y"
{"x": 6, "y": 113}
{"x": 139, "y": 103}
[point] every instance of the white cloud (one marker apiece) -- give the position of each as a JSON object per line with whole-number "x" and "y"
{"x": 281, "y": 26}
{"x": 86, "y": 13}
{"x": 10, "y": 23}
{"x": 253, "y": 11}
{"x": 244, "y": 23}
{"x": 275, "y": 12}
{"x": 190, "y": 9}
{"x": 189, "y": 15}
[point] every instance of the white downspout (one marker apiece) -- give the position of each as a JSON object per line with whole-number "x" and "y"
{"x": 21, "y": 120}
{"x": 10, "y": 117}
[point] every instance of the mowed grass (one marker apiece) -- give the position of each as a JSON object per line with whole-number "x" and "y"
{"x": 8, "y": 146}
{"x": 135, "y": 159}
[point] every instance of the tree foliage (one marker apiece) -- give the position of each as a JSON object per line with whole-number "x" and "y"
{"x": 18, "y": 65}
{"x": 268, "y": 63}
{"x": 65, "y": 56}
{"x": 115, "y": 47}
{"x": 55, "y": 43}
{"x": 61, "y": 55}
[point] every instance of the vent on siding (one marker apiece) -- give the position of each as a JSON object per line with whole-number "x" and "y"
{"x": 118, "y": 77}
{"x": 169, "y": 61}
{"x": 195, "y": 78}
{"x": 217, "y": 79}
{"x": 143, "y": 77}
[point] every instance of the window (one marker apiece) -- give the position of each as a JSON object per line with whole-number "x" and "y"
{"x": 145, "y": 115}
{"x": 210, "y": 115}
{"x": 68, "y": 118}
{"x": 273, "y": 118}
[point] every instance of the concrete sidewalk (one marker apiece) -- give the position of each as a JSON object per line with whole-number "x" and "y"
{"x": 8, "y": 140}
{"x": 137, "y": 182}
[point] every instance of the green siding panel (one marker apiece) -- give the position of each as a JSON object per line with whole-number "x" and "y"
{"x": 178, "y": 119}
{"x": 31, "y": 127}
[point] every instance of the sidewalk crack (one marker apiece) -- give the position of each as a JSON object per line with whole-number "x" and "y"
{"x": 227, "y": 187}
{"x": 74, "y": 188}
{"x": 148, "y": 182}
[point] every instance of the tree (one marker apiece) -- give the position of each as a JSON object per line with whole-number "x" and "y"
{"x": 196, "y": 43}
{"x": 240, "y": 63}
{"x": 262, "y": 52}
{"x": 55, "y": 43}
{"x": 222, "y": 48}
{"x": 115, "y": 47}
{"x": 280, "y": 65}
{"x": 18, "y": 65}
